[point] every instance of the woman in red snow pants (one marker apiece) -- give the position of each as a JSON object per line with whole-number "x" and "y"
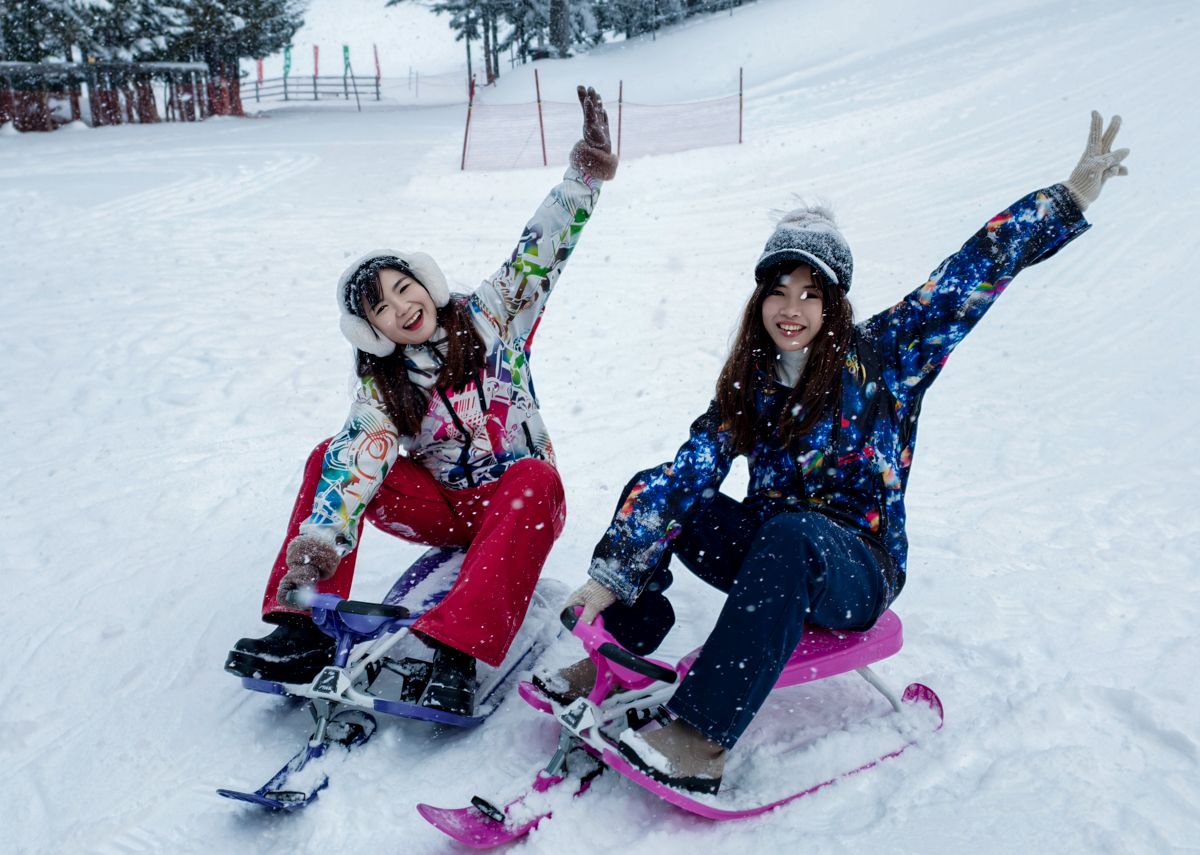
{"x": 445, "y": 378}
{"x": 508, "y": 527}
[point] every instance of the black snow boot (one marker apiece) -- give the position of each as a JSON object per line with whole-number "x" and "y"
{"x": 451, "y": 686}
{"x": 294, "y": 653}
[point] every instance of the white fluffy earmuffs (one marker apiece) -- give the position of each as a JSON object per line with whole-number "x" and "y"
{"x": 358, "y": 331}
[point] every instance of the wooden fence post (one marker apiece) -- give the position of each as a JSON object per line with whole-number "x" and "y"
{"x": 541, "y": 125}
{"x": 76, "y": 110}
{"x": 620, "y": 111}
{"x": 377, "y": 74}
{"x": 467, "y": 132}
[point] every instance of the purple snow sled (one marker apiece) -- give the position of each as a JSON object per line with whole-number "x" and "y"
{"x": 379, "y": 667}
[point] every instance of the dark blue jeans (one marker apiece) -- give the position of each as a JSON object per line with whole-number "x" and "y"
{"x": 795, "y": 567}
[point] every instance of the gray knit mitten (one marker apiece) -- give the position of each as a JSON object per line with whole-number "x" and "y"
{"x": 594, "y": 598}
{"x": 309, "y": 560}
{"x": 593, "y": 154}
{"x": 1098, "y": 164}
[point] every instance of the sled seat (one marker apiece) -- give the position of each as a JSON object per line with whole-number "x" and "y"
{"x": 824, "y": 652}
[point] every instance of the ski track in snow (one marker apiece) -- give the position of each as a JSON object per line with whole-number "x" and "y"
{"x": 171, "y": 355}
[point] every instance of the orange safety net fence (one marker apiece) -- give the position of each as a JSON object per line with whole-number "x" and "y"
{"x": 509, "y": 136}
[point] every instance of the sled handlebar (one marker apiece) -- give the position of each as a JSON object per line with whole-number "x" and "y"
{"x": 636, "y": 663}
{"x": 304, "y": 599}
{"x": 569, "y": 618}
{"x": 616, "y": 653}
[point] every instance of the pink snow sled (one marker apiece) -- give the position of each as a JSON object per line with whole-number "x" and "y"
{"x": 592, "y": 724}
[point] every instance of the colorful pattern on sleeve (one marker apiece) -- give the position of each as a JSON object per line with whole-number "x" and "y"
{"x": 504, "y": 424}
{"x": 916, "y": 336}
{"x": 512, "y": 300}
{"x": 355, "y": 464}
{"x": 852, "y": 467}
{"x": 659, "y": 506}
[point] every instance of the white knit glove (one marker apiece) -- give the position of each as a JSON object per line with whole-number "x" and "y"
{"x": 1098, "y": 164}
{"x": 594, "y": 598}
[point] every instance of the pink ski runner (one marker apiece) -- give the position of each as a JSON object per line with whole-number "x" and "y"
{"x": 472, "y": 827}
{"x": 914, "y": 694}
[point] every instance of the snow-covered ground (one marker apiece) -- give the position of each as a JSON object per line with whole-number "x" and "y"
{"x": 171, "y": 354}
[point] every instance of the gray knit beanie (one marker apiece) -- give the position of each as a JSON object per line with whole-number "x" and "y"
{"x": 808, "y": 235}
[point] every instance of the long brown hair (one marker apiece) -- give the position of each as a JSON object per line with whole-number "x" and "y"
{"x": 462, "y": 353}
{"x": 819, "y": 391}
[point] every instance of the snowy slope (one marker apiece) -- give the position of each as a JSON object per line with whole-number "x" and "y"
{"x": 171, "y": 354}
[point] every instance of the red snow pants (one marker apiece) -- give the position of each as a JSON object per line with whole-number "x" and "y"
{"x": 508, "y": 527}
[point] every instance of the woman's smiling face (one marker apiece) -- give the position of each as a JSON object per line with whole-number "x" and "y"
{"x": 405, "y": 313}
{"x": 793, "y": 311}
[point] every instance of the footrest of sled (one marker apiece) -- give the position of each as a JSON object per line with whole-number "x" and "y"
{"x": 487, "y": 809}
{"x": 269, "y": 687}
{"x": 416, "y": 674}
{"x": 420, "y": 713}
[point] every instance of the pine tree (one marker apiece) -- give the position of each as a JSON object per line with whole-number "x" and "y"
{"x": 530, "y": 22}
{"x": 134, "y": 30}
{"x": 35, "y": 30}
{"x": 220, "y": 32}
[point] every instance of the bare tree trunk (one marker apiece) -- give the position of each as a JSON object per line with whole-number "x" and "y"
{"x": 32, "y": 112}
{"x": 213, "y": 89}
{"x": 495, "y": 47}
{"x": 147, "y": 112}
{"x": 76, "y": 110}
{"x": 8, "y": 103}
{"x": 470, "y": 73}
{"x": 487, "y": 47}
{"x": 235, "y": 90}
{"x": 560, "y": 27}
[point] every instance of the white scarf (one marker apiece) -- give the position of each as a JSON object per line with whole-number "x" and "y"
{"x": 789, "y": 365}
{"x": 424, "y": 361}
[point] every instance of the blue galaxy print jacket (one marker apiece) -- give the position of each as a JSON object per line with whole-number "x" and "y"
{"x": 852, "y": 467}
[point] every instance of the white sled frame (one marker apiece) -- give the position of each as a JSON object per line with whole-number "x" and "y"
{"x": 337, "y": 685}
{"x": 583, "y": 720}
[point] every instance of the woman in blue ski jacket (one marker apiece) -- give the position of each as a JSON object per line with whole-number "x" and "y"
{"x": 826, "y": 413}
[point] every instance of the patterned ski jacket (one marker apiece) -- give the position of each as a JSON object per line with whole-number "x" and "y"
{"x": 468, "y": 438}
{"x": 854, "y": 466}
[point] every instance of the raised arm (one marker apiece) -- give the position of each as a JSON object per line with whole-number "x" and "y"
{"x": 660, "y": 505}
{"x": 512, "y": 300}
{"x": 916, "y": 336}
